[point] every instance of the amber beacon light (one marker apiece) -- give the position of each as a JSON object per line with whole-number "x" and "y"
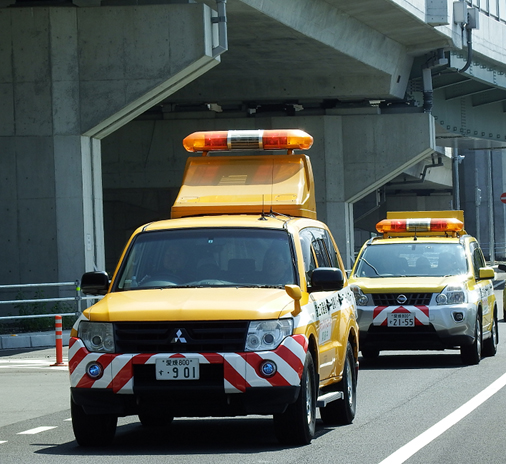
{"x": 282, "y": 139}
{"x": 419, "y": 225}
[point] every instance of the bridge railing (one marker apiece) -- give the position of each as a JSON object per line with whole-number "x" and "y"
{"x": 493, "y": 8}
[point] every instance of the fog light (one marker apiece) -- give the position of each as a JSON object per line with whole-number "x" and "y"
{"x": 94, "y": 370}
{"x": 268, "y": 368}
{"x": 458, "y": 317}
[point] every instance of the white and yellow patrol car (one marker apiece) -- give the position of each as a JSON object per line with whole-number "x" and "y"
{"x": 239, "y": 304}
{"x": 424, "y": 285}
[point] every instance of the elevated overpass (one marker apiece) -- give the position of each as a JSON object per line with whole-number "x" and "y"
{"x": 97, "y": 96}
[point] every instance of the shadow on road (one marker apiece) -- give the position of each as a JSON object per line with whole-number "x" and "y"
{"x": 186, "y": 437}
{"x": 386, "y": 360}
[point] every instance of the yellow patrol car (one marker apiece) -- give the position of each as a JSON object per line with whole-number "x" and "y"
{"x": 239, "y": 304}
{"x": 423, "y": 284}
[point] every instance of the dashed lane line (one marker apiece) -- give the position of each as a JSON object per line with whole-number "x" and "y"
{"x": 37, "y": 430}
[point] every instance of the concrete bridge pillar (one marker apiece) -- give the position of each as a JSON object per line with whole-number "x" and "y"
{"x": 68, "y": 78}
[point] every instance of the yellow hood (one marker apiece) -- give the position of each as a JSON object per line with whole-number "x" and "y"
{"x": 405, "y": 284}
{"x": 191, "y": 304}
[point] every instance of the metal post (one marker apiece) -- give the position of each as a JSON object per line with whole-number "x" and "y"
{"x": 490, "y": 207}
{"x": 477, "y": 192}
{"x": 456, "y": 184}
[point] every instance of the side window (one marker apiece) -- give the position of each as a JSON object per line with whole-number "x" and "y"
{"x": 331, "y": 249}
{"x": 321, "y": 252}
{"x": 318, "y": 250}
{"x": 478, "y": 259}
{"x": 306, "y": 239}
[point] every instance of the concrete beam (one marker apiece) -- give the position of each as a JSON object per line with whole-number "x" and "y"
{"x": 375, "y": 154}
{"x": 151, "y": 52}
{"x": 295, "y": 49}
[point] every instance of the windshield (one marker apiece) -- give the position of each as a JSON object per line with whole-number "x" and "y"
{"x": 412, "y": 259}
{"x": 208, "y": 258}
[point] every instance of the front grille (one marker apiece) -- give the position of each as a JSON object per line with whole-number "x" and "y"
{"x": 180, "y": 337}
{"x": 390, "y": 299}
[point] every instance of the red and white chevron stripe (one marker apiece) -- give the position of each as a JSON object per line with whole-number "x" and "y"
{"x": 421, "y": 312}
{"x": 241, "y": 370}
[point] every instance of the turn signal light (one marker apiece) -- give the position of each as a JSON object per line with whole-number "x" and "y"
{"x": 283, "y": 139}
{"x": 419, "y": 225}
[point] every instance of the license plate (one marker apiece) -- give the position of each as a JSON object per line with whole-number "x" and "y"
{"x": 177, "y": 369}
{"x": 401, "y": 320}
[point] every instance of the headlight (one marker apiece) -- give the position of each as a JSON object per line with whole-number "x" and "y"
{"x": 97, "y": 336}
{"x": 451, "y": 295}
{"x": 360, "y": 297}
{"x": 267, "y": 335}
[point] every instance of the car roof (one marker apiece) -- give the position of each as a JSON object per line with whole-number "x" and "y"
{"x": 237, "y": 220}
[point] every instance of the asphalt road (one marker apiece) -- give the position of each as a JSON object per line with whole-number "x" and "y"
{"x": 413, "y": 407}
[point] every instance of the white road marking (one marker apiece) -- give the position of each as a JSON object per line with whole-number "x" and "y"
{"x": 31, "y": 364}
{"x": 2, "y": 442}
{"x": 23, "y": 361}
{"x": 36, "y": 430}
{"x": 415, "y": 445}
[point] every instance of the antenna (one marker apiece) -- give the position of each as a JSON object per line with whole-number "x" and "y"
{"x": 262, "y": 217}
{"x": 272, "y": 185}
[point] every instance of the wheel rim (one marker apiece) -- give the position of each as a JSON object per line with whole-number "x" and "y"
{"x": 494, "y": 332}
{"x": 478, "y": 337}
{"x": 309, "y": 399}
{"x": 349, "y": 384}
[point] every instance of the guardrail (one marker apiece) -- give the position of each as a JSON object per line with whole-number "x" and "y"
{"x": 78, "y": 298}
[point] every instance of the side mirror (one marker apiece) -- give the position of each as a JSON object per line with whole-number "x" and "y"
{"x": 295, "y": 293}
{"x": 95, "y": 283}
{"x": 487, "y": 273}
{"x": 327, "y": 279}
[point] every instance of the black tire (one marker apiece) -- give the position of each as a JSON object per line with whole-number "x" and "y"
{"x": 297, "y": 425}
{"x": 342, "y": 412}
{"x": 490, "y": 344}
{"x": 370, "y": 353}
{"x": 152, "y": 420}
{"x": 92, "y": 429}
{"x": 471, "y": 354}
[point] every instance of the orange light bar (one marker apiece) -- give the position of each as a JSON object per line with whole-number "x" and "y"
{"x": 419, "y": 225}
{"x": 283, "y": 139}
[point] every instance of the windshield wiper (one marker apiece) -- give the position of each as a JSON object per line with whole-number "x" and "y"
{"x": 370, "y": 265}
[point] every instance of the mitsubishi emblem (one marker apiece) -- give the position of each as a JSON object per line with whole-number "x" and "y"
{"x": 178, "y": 337}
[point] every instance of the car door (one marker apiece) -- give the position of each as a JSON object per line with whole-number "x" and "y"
{"x": 326, "y": 303}
{"x": 484, "y": 287}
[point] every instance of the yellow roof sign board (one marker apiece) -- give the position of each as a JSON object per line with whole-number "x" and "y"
{"x": 247, "y": 184}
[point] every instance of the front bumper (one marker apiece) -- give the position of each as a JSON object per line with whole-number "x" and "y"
{"x": 436, "y": 327}
{"x": 229, "y": 383}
